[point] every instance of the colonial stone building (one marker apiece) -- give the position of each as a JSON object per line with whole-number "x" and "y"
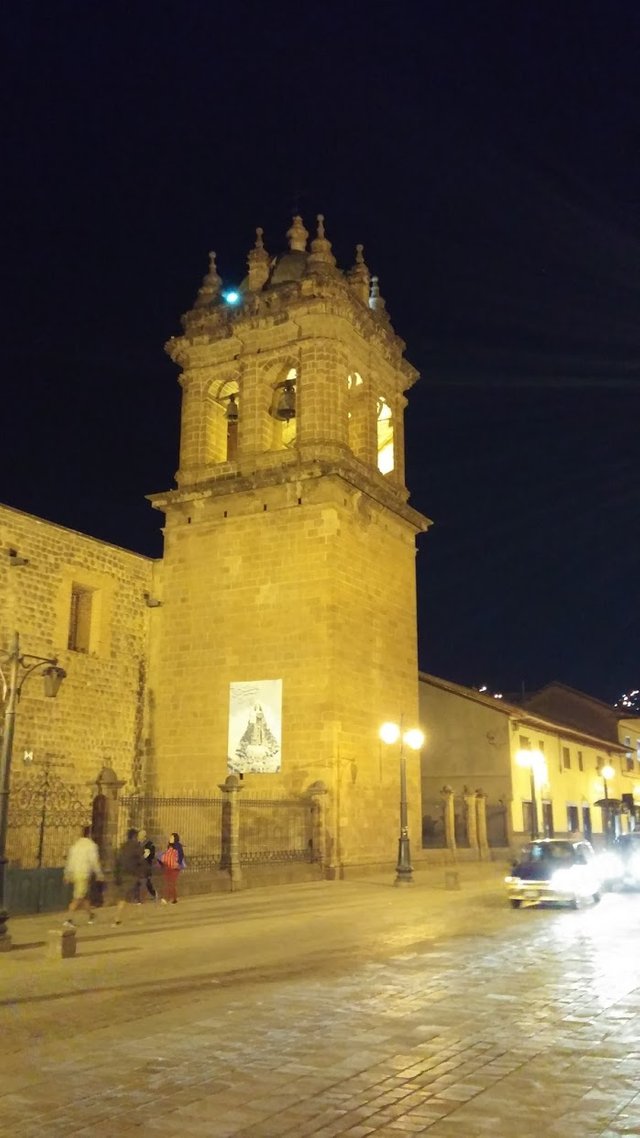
{"x": 477, "y": 791}
{"x": 288, "y": 568}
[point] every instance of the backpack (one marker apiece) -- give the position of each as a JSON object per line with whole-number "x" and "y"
{"x": 170, "y": 858}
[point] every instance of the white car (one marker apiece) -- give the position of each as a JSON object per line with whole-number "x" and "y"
{"x": 554, "y": 870}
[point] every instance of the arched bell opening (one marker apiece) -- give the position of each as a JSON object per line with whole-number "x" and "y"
{"x": 283, "y": 411}
{"x": 223, "y": 421}
{"x": 385, "y": 437}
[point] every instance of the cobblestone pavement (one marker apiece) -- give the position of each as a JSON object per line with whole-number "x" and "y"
{"x": 329, "y": 1009}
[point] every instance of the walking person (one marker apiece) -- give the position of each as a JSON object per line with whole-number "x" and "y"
{"x": 129, "y": 873}
{"x": 172, "y": 861}
{"x": 149, "y": 854}
{"x": 83, "y": 866}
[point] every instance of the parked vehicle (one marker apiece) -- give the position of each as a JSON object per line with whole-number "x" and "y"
{"x": 554, "y": 870}
{"x": 621, "y": 863}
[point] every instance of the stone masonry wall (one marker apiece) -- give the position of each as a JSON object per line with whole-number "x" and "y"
{"x": 312, "y": 584}
{"x": 98, "y": 716}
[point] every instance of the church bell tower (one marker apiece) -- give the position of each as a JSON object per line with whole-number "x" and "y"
{"x": 290, "y": 544}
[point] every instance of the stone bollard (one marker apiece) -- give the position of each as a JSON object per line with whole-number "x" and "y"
{"x": 451, "y": 879}
{"x": 61, "y": 943}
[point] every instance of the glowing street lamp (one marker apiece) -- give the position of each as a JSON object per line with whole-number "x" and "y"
{"x": 534, "y": 762}
{"x": 391, "y": 733}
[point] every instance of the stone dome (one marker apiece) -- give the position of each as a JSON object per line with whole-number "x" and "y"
{"x": 289, "y": 266}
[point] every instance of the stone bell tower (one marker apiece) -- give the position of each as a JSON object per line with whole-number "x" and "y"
{"x": 289, "y": 543}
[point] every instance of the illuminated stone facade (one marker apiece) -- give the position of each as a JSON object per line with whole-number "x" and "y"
{"x": 473, "y": 746}
{"x": 289, "y": 555}
{"x": 82, "y": 601}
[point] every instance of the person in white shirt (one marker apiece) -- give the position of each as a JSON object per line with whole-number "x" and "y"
{"x": 83, "y": 863}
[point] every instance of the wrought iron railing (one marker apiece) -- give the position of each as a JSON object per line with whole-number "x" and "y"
{"x": 275, "y": 829}
{"x": 198, "y": 821}
{"x": 46, "y": 815}
{"x": 270, "y": 829}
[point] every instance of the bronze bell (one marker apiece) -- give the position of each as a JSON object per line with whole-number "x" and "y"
{"x": 286, "y": 405}
{"x": 231, "y": 414}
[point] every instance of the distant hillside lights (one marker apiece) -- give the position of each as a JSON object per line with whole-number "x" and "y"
{"x": 496, "y": 694}
{"x": 630, "y": 702}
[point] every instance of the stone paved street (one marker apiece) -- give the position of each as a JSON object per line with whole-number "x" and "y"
{"x": 329, "y": 1009}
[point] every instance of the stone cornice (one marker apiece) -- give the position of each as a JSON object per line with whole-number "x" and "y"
{"x": 299, "y": 472}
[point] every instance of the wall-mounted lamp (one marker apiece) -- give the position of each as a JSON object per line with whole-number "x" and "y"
{"x": 151, "y": 602}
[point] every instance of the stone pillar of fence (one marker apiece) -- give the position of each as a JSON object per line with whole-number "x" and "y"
{"x": 231, "y": 830}
{"x": 470, "y": 819}
{"x": 317, "y": 793}
{"x": 449, "y": 816}
{"x": 481, "y": 825}
{"x": 105, "y": 791}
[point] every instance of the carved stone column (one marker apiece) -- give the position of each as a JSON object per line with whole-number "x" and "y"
{"x": 470, "y": 819}
{"x": 481, "y": 825}
{"x": 317, "y": 794}
{"x": 231, "y": 830}
{"x": 105, "y": 808}
{"x": 449, "y": 818}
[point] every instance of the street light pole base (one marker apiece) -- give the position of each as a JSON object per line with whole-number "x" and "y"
{"x": 404, "y": 878}
{"x": 5, "y": 939}
{"x": 404, "y": 869}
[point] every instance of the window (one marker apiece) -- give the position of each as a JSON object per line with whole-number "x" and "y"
{"x": 547, "y": 819}
{"x": 573, "y": 823}
{"x": 586, "y": 822}
{"x": 525, "y": 744}
{"x": 79, "y": 639}
{"x": 580, "y": 761}
{"x": 566, "y": 759}
{"x": 386, "y": 460}
{"x": 630, "y": 761}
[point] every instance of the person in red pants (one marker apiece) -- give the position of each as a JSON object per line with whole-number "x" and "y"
{"x": 172, "y": 862}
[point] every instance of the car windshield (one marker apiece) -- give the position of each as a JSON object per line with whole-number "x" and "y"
{"x": 542, "y": 851}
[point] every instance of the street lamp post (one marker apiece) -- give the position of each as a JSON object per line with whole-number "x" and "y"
{"x": 607, "y": 772}
{"x": 390, "y": 733}
{"x": 532, "y": 760}
{"x": 18, "y": 669}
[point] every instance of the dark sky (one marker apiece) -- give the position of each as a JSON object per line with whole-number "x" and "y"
{"x": 487, "y": 154}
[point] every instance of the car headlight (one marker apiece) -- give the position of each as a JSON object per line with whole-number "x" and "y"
{"x": 563, "y": 880}
{"x": 609, "y": 865}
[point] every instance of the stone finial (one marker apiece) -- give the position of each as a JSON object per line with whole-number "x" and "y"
{"x": 297, "y": 235}
{"x": 258, "y": 261}
{"x": 376, "y": 302}
{"x": 358, "y": 276}
{"x": 210, "y": 288}
{"x": 320, "y": 248}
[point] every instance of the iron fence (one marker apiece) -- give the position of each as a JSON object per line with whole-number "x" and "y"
{"x": 46, "y": 816}
{"x": 198, "y": 821}
{"x": 275, "y": 829}
{"x": 270, "y": 829}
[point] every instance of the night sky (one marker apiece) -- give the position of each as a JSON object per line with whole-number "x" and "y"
{"x": 486, "y": 154}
